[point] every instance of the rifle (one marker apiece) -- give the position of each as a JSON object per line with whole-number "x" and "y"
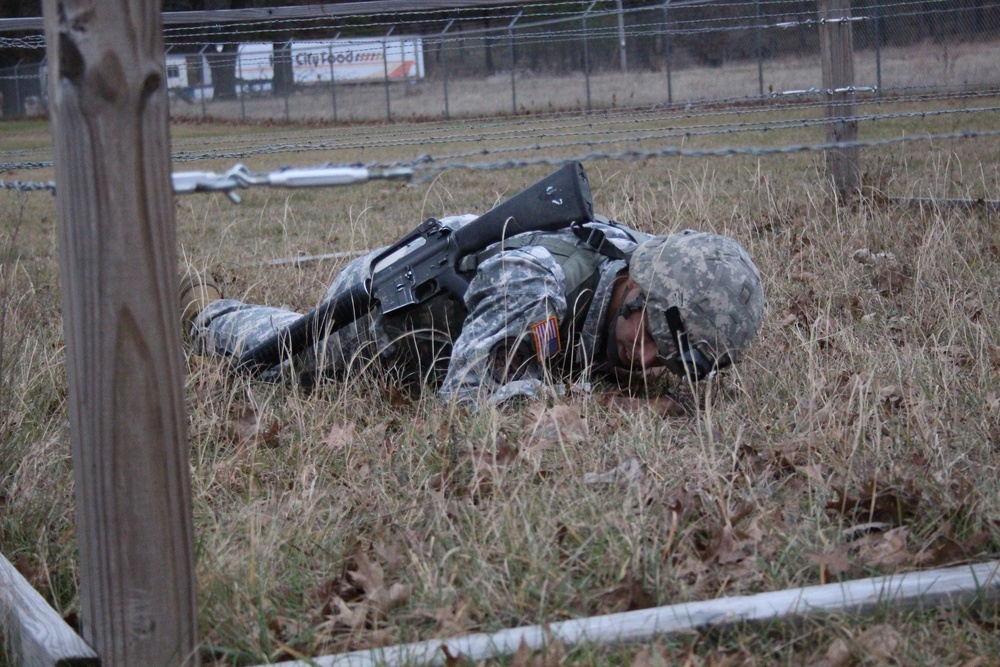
{"x": 426, "y": 262}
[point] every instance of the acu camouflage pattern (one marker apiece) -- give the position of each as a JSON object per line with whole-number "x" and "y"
{"x": 482, "y": 352}
{"x": 714, "y": 284}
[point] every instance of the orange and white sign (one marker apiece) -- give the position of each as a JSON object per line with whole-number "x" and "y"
{"x": 359, "y": 59}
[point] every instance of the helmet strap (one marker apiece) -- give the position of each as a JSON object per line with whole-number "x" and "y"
{"x": 693, "y": 360}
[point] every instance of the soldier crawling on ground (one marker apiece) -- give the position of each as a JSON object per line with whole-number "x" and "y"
{"x": 541, "y": 307}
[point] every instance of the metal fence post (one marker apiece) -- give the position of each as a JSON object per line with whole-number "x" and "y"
{"x": 586, "y": 54}
{"x": 17, "y": 89}
{"x": 333, "y": 79}
{"x": 201, "y": 79}
{"x": 241, "y": 86}
{"x": 666, "y": 51}
{"x": 758, "y": 46}
{"x": 621, "y": 36}
{"x": 291, "y": 84}
{"x": 513, "y": 60}
{"x": 385, "y": 66}
{"x": 878, "y": 48}
{"x": 444, "y": 69}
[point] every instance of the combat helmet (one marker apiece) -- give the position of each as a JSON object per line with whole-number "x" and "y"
{"x": 703, "y": 297}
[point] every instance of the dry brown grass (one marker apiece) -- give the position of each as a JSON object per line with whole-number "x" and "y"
{"x": 361, "y": 514}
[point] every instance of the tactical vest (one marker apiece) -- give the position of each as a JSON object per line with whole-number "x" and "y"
{"x": 581, "y": 260}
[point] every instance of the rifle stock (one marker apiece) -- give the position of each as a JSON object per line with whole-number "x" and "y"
{"x": 553, "y": 203}
{"x": 425, "y": 262}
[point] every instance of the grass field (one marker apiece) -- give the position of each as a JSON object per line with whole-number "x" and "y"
{"x": 860, "y": 435}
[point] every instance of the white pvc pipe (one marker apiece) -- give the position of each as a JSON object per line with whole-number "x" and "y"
{"x": 949, "y": 585}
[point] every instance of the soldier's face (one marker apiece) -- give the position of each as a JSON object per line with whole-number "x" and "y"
{"x": 634, "y": 348}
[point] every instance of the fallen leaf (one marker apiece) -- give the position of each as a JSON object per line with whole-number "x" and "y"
{"x": 393, "y": 555}
{"x": 946, "y": 550}
{"x": 248, "y": 427}
{"x": 891, "y": 396}
{"x": 398, "y": 398}
{"x": 28, "y": 570}
{"x": 558, "y": 424}
{"x": 889, "y": 279}
{"x": 370, "y": 576}
{"x": 958, "y": 355}
{"x": 341, "y": 587}
{"x": 788, "y": 319}
{"x": 522, "y": 657}
{"x": 824, "y": 329}
{"x": 454, "y": 619}
{"x": 452, "y": 659}
{"x": 867, "y": 257}
{"x": 340, "y": 436}
{"x": 804, "y": 277}
{"x": 812, "y": 472}
{"x": 994, "y": 353}
{"x": 338, "y": 613}
{"x": 385, "y": 599}
{"x": 654, "y": 655}
{"x": 877, "y": 502}
{"x": 832, "y": 562}
{"x": 627, "y": 473}
{"x": 881, "y": 642}
{"x": 662, "y": 406}
{"x": 891, "y": 551}
{"x": 486, "y": 465}
{"x": 367, "y": 574}
{"x": 802, "y": 307}
{"x": 978, "y": 661}
{"x": 551, "y": 654}
{"x": 630, "y": 595}
{"x": 838, "y": 654}
{"x": 729, "y": 549}
{"x": 861, "y": 529}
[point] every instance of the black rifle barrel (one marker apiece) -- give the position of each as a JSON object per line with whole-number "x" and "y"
{"x": 304, "y": 331}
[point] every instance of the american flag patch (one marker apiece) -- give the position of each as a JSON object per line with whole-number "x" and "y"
{"x": 547, "y": 342}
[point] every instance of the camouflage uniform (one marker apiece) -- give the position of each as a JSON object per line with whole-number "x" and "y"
{"x": 502, "y": 343}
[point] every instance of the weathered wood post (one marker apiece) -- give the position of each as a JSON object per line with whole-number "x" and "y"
{"x": 837, "y": 50}
{"x": 123, "y": 357}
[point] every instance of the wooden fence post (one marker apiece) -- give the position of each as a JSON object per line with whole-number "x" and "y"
{"x": 837, "y": 50}
{"x": 117, "y": 253}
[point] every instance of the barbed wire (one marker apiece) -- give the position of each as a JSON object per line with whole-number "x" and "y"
{"x": 695, "y": 109}
{"x": 28, "y": 186}
{"x": 763, "y": 19}
{"x": 674, "y": 26}
{"x": 25, "y": 166}
{"x": 513, "y": 12}
{"x": 590, "y": 128}
{"x": 429, "y": 169}
{"x": 426, "y": 167}
{"x": 26, "y": 42}
{"x": 616, "y": 136}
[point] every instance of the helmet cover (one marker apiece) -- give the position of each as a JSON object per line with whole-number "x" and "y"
{"x": 713, "y": 283}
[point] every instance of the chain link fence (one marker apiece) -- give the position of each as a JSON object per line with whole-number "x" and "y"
{"x": 541, "y": 58}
